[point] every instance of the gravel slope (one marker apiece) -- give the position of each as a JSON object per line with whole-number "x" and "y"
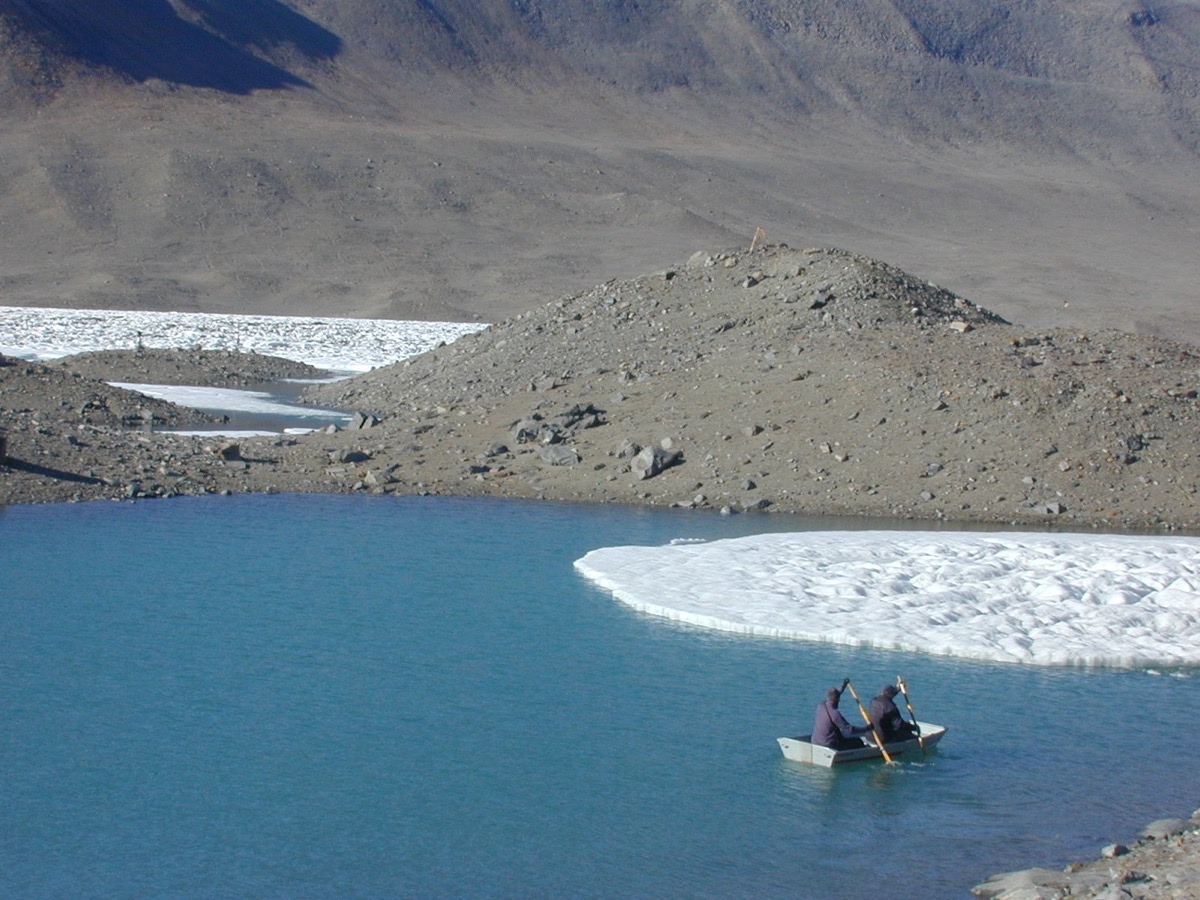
{"x": 792, "y": 380}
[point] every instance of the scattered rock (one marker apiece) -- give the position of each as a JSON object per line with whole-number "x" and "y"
{"x": 1161, "y": 829}
{"x": 698, "y": 357}
{"x": 651, "y": 461}
{"x": 628, "y": 449}
{"x": 557, "y": 455}
{"x": 349, "y": 457}
{"x": 1164, "y": 865}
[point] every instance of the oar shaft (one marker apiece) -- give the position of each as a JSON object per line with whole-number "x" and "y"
{"x": 917, "y": 725}
{"x": 862, "y": 710}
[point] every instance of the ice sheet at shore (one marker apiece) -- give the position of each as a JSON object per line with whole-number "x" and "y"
{"x": 226, "y": 399}
{"x": 1085, "y": 600}
{"x": 343, "y": 345}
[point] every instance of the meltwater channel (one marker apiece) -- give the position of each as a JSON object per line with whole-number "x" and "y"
{"x": 329, "y": 696}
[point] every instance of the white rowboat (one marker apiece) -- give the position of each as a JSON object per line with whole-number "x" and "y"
{"x": 800, "y": 749}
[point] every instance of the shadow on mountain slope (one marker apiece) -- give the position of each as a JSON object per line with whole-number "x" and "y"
{"x": 145, "y": 39}
{"x": 465, "y": 158}
{"x": 265, "y": 24}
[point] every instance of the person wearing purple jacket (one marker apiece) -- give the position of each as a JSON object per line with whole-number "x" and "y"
{"x": 831, "y": 728}
{"x": 892, "y": 726}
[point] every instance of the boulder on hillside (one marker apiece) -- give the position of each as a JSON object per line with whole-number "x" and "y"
{"x": 653, "y": 460}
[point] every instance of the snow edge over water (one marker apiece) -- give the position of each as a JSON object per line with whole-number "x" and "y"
{"x": 1103, "y": 601}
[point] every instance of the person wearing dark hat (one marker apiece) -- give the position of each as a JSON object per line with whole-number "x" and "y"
{"x": 831, "y": 728}
{"x": 887, "y": 719}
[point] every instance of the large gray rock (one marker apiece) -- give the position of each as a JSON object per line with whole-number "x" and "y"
{"x": 653, "y": 460}
{"x": 379, "y": 477}
{"x": 557, "y": 455}
{"x": 557, "y": 429}
{"x": 348, "y": 457}
{"x": 527, "y": 430}
{"x": 1028, "y": 884}
{"x": 628, "y": 449}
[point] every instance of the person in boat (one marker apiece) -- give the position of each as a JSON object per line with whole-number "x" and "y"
{"x": 831, "y": 728}
{"x": 887, "y": 719}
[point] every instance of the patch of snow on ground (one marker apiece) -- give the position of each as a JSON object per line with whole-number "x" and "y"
{"x": 340, "y": 345}
{"x": 227, "y": 400}
{"x": 1079, "y": 600}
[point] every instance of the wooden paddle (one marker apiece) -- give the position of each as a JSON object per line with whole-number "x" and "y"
{"x": 875, "y": 734}
{"x": 917, "y": 725}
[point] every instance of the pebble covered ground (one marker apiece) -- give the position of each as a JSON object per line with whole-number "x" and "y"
{"x": 810, "y": 381}
{"x": 813, "y": 381}
{"x": 1163, "y": 864}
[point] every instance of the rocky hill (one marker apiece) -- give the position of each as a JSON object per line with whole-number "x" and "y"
{"x": 462, "y": 160}
{"x": 814, "y": 381}
{"x": 793, "y": 380}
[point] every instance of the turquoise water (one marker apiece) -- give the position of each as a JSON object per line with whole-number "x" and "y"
{"x": 378, "y": 697}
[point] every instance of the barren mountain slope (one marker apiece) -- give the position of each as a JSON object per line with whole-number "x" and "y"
{"x": 460, "y": 160}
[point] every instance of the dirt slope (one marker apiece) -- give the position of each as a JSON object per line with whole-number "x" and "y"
{"x": 815, "y": 381}
{"x": 460, "y": 160}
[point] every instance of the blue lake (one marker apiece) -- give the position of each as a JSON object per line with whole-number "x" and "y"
{"x": 379, "y": 697}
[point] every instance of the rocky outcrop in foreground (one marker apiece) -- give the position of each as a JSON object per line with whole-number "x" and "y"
{"x": 1164, "y": 864}
{"x": 812, "y": 381}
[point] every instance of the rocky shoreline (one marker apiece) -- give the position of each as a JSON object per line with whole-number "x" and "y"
{"x": 774, "y": 380}
{"x": 1163, "y": 864}
{"x": 812, "y": 381}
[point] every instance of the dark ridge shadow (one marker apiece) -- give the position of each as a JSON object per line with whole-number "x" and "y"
{"x": 265, "y": 24}
{"x": 436, "y": 16}
{"x": 45, "y": 472}
{"x": 144, "y": 39}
